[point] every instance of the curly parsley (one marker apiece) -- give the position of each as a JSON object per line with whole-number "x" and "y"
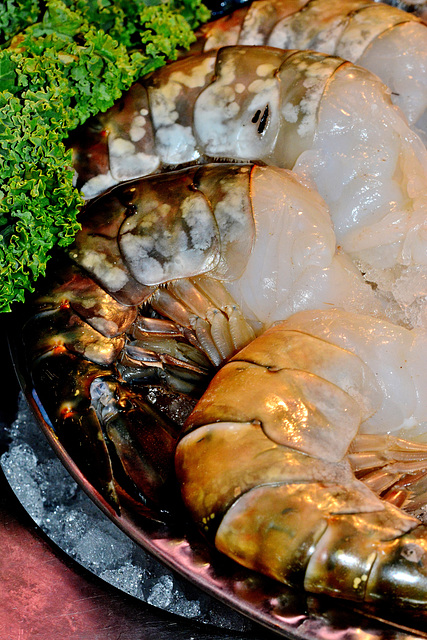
{"x": 62, "y": 61}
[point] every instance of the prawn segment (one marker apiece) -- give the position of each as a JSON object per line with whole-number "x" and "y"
{"x": 408, "y": 88}
{"x": 130, "y": 136}
{"x": 211, "y": 481}
{"x": 230, "y": 193}
{"x": 61, "y": 328}
{"x": 178, "y": 228}
{"x": 294, "y": 349}
{"x": 294, "y": 262}
{"x": 262, "y": 108}
{"x": 117, "y": 145}
{"x": 301, "y": 100}
{"x": 331, "y": 26}
{"x": 379, "y": 210}
{"x": 339, "y": 28}
{"x": 244, "y": 89}
{"x": 248, "y": 25}
{"x": 172, "y": 91}
{"x": 394, "y": 354}
{"x": 146, "y": 131}
{"x": 75, "y": 315}
{"x": 96, "y": 251}
{"x": 160, "y": 242}
{"x": 295, "y": 408}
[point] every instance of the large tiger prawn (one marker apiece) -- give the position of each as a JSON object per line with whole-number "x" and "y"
{"x": 317, "y": 396}
{"x": 332, "y": 394}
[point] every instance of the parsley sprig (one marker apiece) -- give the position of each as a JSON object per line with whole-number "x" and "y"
{"x": 62, "y": 61}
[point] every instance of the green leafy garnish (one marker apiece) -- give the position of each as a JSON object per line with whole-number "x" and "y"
{"x": 62, "y": 61}
{"x": 16, "y": 15}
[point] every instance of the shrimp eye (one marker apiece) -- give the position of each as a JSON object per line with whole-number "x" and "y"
{"x": 260, "y": 118}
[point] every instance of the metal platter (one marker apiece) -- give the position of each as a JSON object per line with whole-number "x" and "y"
{"x": 176, "y": 545}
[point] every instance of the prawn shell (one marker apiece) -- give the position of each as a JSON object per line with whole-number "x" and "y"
{"x": 280, "y": 347}
{"x": 275, "y": 93}
{"x": 400, "y": 561}
{"x": 297, "y": 397}
{"x": 96, "y": 251}
{"x": 229, "y": 189}
{"x": 187, "y": 224}
{"x": 167, "y": 227}
{"x": 244, "y": 89}
{"x": 130, "y": 135}
{"x": 304, "y": 78}
{"x": 341, "y": 27}
{"x": 301, "y": 516}
{"x": 170, "y": 91}
{"x": 263, "y": 528}
{"x": 346, "y": 556}
{"x": 263, "y": 16}
{"x": 366, "y": 25}
{"x": 211, "y": 480}
{"x": 171, "y": 231}
{"x": 295, "y": 408}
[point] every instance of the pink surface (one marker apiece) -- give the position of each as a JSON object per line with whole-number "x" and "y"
{"x": 44, "y": 595}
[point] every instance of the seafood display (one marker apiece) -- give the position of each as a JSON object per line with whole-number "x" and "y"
{"x": 244, "y": 309}
{"x": 318, "y": 406}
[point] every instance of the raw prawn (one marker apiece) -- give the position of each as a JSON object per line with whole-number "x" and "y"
{"x": 306, "y": 408}
{"x": 331, "y": 121}
{"x": 386, "y": 40}
{"x": 186, "y": 246}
